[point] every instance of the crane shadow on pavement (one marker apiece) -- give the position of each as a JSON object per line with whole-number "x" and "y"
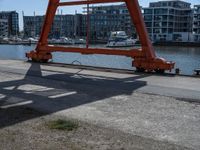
{"x": 41, "y": 93}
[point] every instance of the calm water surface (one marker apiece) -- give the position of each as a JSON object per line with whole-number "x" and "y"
{"x": 186, "y": 58}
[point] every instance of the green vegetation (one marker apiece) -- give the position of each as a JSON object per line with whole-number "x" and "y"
{"x": 63, "y": 125}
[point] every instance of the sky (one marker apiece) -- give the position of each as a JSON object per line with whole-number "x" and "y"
{"x": 39, "y": 6}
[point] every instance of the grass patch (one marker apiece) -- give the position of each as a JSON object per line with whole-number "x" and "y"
{"x": 63, "y": 125}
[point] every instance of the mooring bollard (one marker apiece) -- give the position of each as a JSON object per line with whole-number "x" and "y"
{"x": 197, "y": 71}
{"x": 177, "y": 71}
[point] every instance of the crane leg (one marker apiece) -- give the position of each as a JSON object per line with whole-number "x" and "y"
{"x": 149, "y": 62}
{"x": 41, "y": 54}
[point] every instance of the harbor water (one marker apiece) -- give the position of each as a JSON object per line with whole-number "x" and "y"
{"x": 187, "y": 58}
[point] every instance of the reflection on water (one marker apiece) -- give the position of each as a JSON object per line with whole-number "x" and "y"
{"x": 186, "y": 58}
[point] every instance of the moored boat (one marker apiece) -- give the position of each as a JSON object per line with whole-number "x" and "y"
{"x": 120, "y": 39}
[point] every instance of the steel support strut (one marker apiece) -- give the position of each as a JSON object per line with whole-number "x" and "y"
{"x": 144, "y": 58}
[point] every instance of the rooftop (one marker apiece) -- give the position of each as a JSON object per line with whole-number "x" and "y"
{"x": 170, "y": 3}
{"x": 8, "y": 11}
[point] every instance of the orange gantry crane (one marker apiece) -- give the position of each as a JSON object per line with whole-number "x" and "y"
{"x": 144, "y": 59}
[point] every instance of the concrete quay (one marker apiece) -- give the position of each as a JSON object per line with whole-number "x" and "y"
{"x": 160, "y": 108}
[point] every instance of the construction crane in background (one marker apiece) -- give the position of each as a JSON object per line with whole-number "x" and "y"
{"x": 144, "y": 59}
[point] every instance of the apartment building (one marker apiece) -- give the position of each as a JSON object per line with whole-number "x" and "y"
{"x": 170, "y": 20}
{"x": 103, "y": 20}
{"x": 63, "y": 26}
{"x": 3, "y": 28}
{"x": 13, "y": 21}
{"x": 32, "y": 25}
{"x": 107, "y": 18}
{"x": 196, "y": 26}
